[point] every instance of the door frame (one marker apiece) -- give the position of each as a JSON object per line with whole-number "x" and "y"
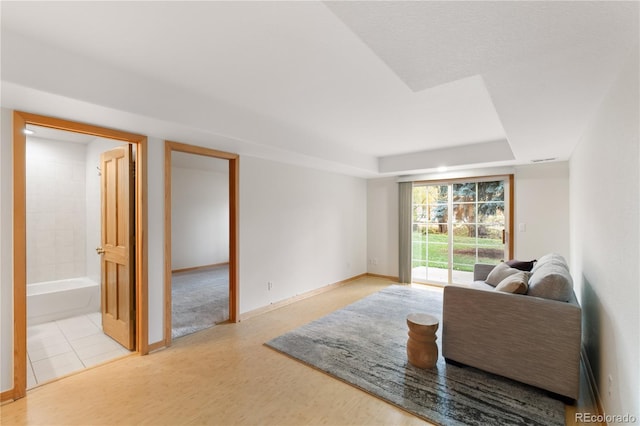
{"x": 20, "y": 120}
{"x": 234, "y": 300}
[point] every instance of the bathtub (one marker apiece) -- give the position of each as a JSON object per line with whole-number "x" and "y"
{"x": 54, "y": 300}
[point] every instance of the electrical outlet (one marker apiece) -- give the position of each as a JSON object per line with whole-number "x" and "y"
{"x": 269, "y": 285}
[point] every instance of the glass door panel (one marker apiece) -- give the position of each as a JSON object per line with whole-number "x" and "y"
{"x": 464, "y": 251}
{"x": 491, "y": 221}
{"x": 419, "y": 225}
{"x": 464, "y": 234}
{"x": 438, "y": 233}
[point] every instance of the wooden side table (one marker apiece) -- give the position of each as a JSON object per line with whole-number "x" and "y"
{"x": 422, "y": 349}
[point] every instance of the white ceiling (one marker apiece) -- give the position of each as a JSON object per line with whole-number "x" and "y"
{"x": 374, "y": 87}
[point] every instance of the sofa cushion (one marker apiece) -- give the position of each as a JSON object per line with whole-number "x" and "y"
{"x": 481, "y": 285}
{"x": 499, "y": 273}
{"x": 553, "y": 258}
{"x": 551, "y": 280}
{"x": 516, "y": 283}
{"x": 521, "y": 264}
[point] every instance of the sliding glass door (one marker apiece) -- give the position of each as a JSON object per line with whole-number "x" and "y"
{"x": 456, "y": 224}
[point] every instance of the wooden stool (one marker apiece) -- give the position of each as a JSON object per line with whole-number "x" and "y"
{"x": 422, "y": 349}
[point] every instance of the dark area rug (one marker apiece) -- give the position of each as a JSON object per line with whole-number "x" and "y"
{"x": 364, "y": 344}
{"x": 199, "y": 299}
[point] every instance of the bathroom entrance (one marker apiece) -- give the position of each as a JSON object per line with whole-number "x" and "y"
{"x": 77, "y": 237}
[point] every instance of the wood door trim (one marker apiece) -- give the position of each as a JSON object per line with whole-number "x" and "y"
{"x": 200, "y": 150}
{"x": 234, "y": 301}
{"x": 20, "y": 120}
{"x": 19, "y": 257}
{"x": 77, "y": 127}
{"x": 511, "y": 216}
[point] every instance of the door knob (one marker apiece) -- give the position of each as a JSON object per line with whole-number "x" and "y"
{"x": 99, "y": 250}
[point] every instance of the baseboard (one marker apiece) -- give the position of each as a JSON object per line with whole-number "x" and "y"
{"x": 7, "y": 396}
{"x": 198, "y": 268}
{"x": 157, "y": 345}
{"x": 297, "y": 298}
{"x": 594, "y": 394}
{"x": 386, "y": 277}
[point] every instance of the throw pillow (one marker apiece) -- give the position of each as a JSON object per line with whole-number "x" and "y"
{"x": 516, "y": 283}
{"x": 499, "y": 273}
{"x": 521, "y": 264}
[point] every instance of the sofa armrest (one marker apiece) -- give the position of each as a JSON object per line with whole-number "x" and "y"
{"x": 481, "y": 271}
{"x": 528, "y": 339}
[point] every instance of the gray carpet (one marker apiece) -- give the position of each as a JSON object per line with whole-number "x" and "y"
{"x": 199, "y": 300}
{"x": 364, "y": 344}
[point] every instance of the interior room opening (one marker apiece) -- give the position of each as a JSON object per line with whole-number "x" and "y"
{"x": 199, "y": 242}
{"x": 63, "y": 217}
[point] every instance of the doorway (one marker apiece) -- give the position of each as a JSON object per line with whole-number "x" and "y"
{"x": 47, "y": 256}
{"x": 458, "y": 223}
{"x": 201, "y": 262}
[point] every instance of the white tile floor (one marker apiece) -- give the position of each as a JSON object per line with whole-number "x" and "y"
{"x": 57, "y": 348}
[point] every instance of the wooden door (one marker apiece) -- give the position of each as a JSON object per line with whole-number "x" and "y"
{"x": 118, "y": 245}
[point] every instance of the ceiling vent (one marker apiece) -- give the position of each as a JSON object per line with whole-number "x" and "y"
{"x": 543, "y": 160}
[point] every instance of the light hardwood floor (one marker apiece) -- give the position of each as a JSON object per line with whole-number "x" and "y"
{"x": 223, "y": 375}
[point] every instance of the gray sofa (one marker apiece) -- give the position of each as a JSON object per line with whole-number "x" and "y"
{"x": 533, "y": 337}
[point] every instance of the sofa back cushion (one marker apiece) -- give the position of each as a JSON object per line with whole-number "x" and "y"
{"x": 550, "y": 258}
{"x": 551, "y": 279}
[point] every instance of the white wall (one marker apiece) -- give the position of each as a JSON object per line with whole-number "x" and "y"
{"x": 6, "y": 253}
{"x": 155, "y": 237}
{"x": 604, "y": 242}
{"x": 200, "y": 217}
{"x": 56, "y": 201}
{"x": 542, "y": 206}
{"x": 300, "y": 229}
